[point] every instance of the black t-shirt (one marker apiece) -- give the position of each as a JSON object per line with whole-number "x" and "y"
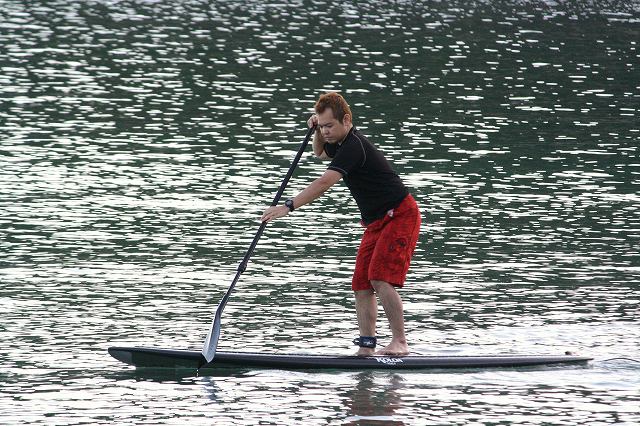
{"x": 368, "y": 175}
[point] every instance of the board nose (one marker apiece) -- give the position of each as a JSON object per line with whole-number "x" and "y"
{"x": 121, "y": 354}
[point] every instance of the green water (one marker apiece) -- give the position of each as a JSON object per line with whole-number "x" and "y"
{"x": 140, "y": 141}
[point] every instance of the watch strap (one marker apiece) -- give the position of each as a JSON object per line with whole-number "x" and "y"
{"x": 289, "y": 204}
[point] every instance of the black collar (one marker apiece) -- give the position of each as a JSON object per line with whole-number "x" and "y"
{"x": 351, "y": 130}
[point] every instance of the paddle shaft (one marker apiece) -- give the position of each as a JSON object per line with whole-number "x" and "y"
{"x": 211, "y": 342}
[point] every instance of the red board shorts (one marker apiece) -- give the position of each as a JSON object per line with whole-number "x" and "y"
{"x": 387, "y": 246}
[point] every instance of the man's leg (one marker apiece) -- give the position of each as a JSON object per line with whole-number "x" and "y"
{"x": 367, "y": 312}
{"x": 392, "y": 305}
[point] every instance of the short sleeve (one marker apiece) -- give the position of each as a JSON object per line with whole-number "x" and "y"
{"x": 330, "y": 149}
{"x": 348, "y": 157}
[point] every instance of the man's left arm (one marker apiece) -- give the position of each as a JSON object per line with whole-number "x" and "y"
{"x": 307, "y": 195}
{"x": 317, "y": 188}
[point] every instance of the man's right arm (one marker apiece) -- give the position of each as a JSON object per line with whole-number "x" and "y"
{"x": 318, "y": 146}
{"x": 318, "y": 140}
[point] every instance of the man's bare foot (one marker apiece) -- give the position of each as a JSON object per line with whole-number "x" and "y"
{"x": 365, "y": 352}
{"x": 394, "y": 349}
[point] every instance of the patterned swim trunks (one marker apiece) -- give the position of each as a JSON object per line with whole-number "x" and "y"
{"x": 387, "y": 247}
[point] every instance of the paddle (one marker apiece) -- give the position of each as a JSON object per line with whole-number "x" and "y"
{"x": 211, "y": 342}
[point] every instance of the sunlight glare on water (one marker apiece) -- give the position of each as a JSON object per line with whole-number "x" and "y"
{"x": 140, "y": 141}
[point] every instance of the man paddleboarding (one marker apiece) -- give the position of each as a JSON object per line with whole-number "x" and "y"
{"x": 389, "y": 214}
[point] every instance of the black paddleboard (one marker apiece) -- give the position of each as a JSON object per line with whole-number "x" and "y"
{"x": 179, "y": 359}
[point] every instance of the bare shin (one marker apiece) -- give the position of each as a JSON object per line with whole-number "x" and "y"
{"x": 392, "y": 304}
{"x": 366, "y": 311}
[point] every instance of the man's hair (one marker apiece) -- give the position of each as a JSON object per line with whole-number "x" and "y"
{"x": 336, "y": 102}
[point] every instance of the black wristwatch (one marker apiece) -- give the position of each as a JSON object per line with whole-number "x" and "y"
{"x": 289, "y": 204}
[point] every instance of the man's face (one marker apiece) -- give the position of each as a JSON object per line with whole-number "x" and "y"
{"x": 332, "y": 130}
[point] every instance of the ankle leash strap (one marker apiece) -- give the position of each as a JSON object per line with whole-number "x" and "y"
{"x": 365, "y": 341}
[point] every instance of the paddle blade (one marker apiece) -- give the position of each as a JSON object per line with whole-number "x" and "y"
{"x": 211, "y": 342}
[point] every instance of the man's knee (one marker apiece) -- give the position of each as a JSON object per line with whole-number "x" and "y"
{"x": 363, "y": 294}
{"x": 380, "y": 285}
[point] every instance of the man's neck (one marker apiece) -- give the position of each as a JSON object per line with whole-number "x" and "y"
{"x": 346, "y": 134}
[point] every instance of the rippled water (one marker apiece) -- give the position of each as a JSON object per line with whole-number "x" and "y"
{"x": 140, "y": 140}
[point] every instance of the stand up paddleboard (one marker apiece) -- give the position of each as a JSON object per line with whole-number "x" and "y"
{"x": 210, "y": 358}
{"x": 179, "y": 359}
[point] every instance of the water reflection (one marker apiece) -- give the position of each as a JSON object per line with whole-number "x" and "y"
{"x": 374, "y": 399}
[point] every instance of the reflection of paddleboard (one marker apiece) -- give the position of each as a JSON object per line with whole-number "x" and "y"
{"x": 169, "y": 358}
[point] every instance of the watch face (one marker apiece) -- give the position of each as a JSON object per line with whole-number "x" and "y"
{"x": 289, "y": 204}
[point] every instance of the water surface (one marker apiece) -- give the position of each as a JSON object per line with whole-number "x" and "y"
{"x": 140, "y": 142}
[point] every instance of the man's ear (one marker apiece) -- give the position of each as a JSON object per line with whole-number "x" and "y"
{"x": 346, "y": 120}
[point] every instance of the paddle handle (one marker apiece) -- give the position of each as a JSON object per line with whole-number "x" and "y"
{"x": 245, "y": 261}
{"x": 294, "y": 164}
